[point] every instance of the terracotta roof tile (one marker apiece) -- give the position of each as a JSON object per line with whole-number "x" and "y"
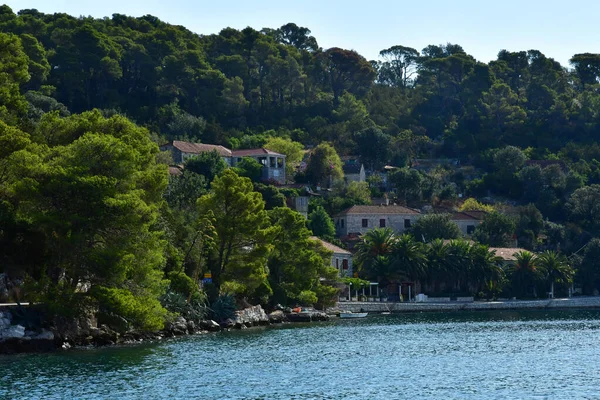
{"x": 468, "y": 215}
{"x": 331, "y": 247}
{"x": 506, "y": 253}
{"x": 379, "y": 210}
{"x": 254, "y": 152}
{"x": 198, "y": 148}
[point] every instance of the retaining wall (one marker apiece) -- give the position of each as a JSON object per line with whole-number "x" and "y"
{"x": 378, "y": 307}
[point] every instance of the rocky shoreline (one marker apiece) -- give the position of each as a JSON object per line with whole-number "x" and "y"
{"x": 17, "y": 336}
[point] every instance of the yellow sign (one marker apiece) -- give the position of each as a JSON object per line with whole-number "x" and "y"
{"x": 356, "y": 274}
{"x": 208, "y": 275}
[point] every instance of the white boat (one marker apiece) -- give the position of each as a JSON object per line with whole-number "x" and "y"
{"x": 350, "y": 314}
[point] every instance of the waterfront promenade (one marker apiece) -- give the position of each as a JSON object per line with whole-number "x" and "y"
{"x": 378, "y": 307}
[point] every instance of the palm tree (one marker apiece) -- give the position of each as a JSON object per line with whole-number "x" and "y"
{"x": 525, "y": 271}
{"x": 459, "y": 260}
{"x": 556, "y": 268}
{"x": 409, "y": 258}
{"x": 438, "y": 268}
{"x": 485, "y": 269}
{"x": 375, "y": 243}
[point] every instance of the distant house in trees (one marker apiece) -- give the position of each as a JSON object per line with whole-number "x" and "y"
{"x": 354, "y": 170}
{"x": 181, "y": 151}
{"x": 467, "y": 221}
{"x": 506, "y": 254}
{"x": 273, "y": 163}
{"x": 360, "y": 219}
{"x": 341, "y": 259}
{"x": 299, "y": 204}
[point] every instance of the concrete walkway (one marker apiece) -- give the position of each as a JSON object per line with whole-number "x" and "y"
{"x": 378, "y": 307}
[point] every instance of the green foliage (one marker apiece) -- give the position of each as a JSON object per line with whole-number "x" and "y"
{"x": 472, "y": 204}
{"x": 242, "y": 231}
{"x": 495, "y": 230}
{"x": 194, "y": 309}
{"x": 272, "y": 196}
{"x": 209, "y": 164}
{"x": 435, "y": 226}
{"x": 249, "y": 168}
{"x": 223, "y": 308}
{"x": 409, "y": 184}
{"x": 297, "y": 263}
{"x": 320, "y": 223}
{"x": 307, "y": 298}
{"x": 324, "y": 165}
{"x": 143, "y": 312}
{"x": 179, "y": 282}
{"x": 293, "y": 152}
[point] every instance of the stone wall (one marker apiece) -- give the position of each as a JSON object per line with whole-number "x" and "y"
{"x": 353, "y": 222}
{"x": 377, "y": 307}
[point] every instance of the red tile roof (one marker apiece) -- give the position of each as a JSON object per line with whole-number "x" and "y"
{"x": 506, "y": 253}
{"x": 254, "y": 152}
{"x": 379, "y": 210}
{"x": 197, "y": 148}
{"x": 331, "y": 247}
{"x": 468, "y": 215}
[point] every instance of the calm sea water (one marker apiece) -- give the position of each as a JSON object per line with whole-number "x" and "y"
{"x": 495, "y": 355}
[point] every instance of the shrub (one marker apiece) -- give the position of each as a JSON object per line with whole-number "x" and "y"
{"x": 223, "y": 308}
{"x": 143, "y": 312}
{"x": 307, "y": 298}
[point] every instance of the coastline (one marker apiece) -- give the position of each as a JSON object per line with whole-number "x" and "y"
{"x": 431, "y": 306}
{"x": 85, "y": 332}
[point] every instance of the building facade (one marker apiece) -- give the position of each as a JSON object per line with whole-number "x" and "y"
{"x": 467, "y": 221}
{"x": 360, "y": 219}
{"x": 273, "y": 163}
{"x": 340, "y": 260}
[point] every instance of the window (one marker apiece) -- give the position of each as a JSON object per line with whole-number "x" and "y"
{"x": 272, "y": 161}
{"x": 365, "y": 223}
{"x": 262, "y": 160}
{"x": 406, "y": 223}
{"x": 345, "y": 264}
{"x": 382, "y": 223}
{"x": 342, "y": 222}
{"x": 279, "y": 162}
{"x": 337, "y": 263}
{"x": 470, "y": 229}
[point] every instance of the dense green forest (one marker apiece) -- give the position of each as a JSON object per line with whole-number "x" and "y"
{"x": 85, "y": 198}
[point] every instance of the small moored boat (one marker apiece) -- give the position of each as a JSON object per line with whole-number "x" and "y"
{"x": 350, "y": 314}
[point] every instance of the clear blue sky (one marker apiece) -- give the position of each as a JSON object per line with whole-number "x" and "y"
{"x": 558, "y": 29}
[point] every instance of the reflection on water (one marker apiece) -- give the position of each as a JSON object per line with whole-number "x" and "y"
{"x": 507, "y": 354}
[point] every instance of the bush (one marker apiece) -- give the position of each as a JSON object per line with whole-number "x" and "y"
{"x": 143, "y": 312}
{"x": 184, "y": 285}
{"x": 307, "y": 298}
{"x": 195, "y": 309}
{"x": 223, "y": 308}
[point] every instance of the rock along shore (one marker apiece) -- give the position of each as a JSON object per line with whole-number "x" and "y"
{"x": 18, "y": 335}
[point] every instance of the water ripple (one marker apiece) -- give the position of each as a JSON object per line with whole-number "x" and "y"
{"x": 500, "y": 355}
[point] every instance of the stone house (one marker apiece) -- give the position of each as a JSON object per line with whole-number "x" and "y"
{"x": 299, "y": 204}
{"x": 360, "y": 219}
{"x": 273, "y": 163}
{"x": 354, "y": 171}
{"x": 340, "y": 260}
{"x": 181, "y": 151}
{"x": 467, "y": 221}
